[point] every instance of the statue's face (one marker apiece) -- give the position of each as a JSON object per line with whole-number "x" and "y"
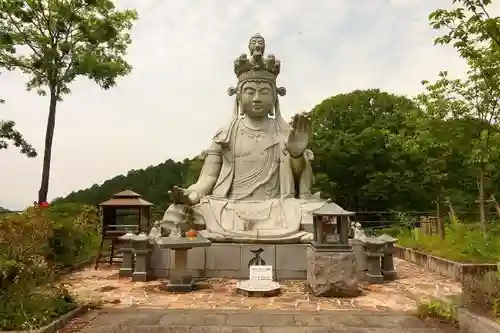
{"x": 257, "y": 98}
{"x": 257, "y": 45}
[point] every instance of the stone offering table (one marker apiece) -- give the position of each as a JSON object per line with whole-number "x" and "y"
{"x": 179, "y": 280}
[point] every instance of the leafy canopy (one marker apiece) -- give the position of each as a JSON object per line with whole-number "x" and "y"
{"x": 54, "y": 41}
{"x": 475, "y": 34}
{"x": 8, "y": 134}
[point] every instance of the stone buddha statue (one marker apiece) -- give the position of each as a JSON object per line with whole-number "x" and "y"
{"x": 255, "y": 184}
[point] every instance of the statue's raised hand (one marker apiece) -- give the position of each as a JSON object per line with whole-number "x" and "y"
{"x": 299, "y": 136}
{"x": 183, "y": 196}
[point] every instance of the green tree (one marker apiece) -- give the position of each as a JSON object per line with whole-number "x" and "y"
{"x": 55, "y": 41}
{"x": 8, "y": 134}
{"x": 360, "y": 159}
{"x": 474, "y": 34}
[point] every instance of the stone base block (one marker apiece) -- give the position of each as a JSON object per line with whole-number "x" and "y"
{"x": 390, "y": 275}
{"x": 332, "y": 274}
{"x": 231, "y": 260}
{"x": 374, "y": 279}
{"x": 125, "y": 272}
{"x": 140, "y": 276}
{"x": 180, "y": 286}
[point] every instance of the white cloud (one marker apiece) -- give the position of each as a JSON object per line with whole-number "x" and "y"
{"x": 182, "y": 53}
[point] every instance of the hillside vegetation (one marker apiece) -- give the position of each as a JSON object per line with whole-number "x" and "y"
{"x": 370, "y": 154}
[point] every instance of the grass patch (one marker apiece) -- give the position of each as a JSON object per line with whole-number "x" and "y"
{"x": 445, "y": 311}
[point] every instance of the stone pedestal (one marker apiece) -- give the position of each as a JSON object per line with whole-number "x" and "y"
{"x": 127, "y": 266}
{"x": 332, "y": 273}
{"x": 374, "y": 253}
{"x": 387, "y": 265}
{"x": 180, "y": 280}
{"x": 142, "y": 252}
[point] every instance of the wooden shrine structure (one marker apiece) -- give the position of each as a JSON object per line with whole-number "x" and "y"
{"x": 125, "y": 211}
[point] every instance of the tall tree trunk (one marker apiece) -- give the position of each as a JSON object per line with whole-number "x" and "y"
{"x": 49, "y": 135}
{"x": 482, "y": 204}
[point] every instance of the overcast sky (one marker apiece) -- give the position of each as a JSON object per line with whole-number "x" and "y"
{"x": 182, "y": 54}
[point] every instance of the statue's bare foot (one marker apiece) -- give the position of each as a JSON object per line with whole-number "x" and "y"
{"x": 179, "y": 196}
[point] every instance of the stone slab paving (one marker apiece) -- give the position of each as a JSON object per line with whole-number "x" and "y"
{"x": 134, "y": 320}
{"x": 105, "y": 286}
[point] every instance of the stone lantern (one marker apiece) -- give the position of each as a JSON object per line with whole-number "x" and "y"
{"x": 331, "y": 225}
{"x": 331, "y": 263}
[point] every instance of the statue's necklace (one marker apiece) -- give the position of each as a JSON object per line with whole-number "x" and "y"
{"x": 253, "y": 134}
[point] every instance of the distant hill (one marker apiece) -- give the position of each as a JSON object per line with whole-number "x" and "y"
{"x": 152, "y": 183}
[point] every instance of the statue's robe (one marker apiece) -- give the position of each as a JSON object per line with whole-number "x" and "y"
{"x": 255, "y": 196}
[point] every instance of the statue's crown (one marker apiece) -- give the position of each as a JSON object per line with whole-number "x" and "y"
{"x": 255, "y": 66}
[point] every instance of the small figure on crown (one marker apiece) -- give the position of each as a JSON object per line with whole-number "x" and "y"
{"x": 256, "y": 179}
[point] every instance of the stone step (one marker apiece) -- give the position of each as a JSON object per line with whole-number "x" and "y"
{"x": 292, "y": 329}
{"x": 252, "y": 321}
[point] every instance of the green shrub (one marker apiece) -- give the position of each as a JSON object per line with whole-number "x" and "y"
{"x": 75, "y": 233}
{"x": 34, "y": 245}
{"x": 24, "y": 242}
{"x": 463, "y": 242}
{"x": 64, "y": 234}
{"x": 34, "y": 310}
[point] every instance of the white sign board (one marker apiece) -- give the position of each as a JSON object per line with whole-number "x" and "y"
{"x": 261, "y": 273}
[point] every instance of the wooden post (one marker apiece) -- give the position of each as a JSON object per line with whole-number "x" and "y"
{"x": 482, "y": 203}
{"x": 450, "y": 207}
{"x": 497, "y": 207}
{"x": 439, "y": 221}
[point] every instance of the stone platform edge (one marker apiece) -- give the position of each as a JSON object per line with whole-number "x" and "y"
{"x": 57, "y": 323}
{"x": 452, "y": 269}
{"x": 473, "y": 323}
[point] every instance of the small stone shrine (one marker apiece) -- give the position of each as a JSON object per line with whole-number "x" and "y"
{"x": 331, "y": 262}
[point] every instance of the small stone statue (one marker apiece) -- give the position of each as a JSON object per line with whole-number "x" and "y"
{"x": 359, "y": 233}
{"x": 155, "y": 232}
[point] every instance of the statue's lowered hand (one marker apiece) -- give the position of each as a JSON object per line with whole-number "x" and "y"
{"x": 299, "y": 136}
{"x": 183, "y": 196}
{"x": 179, "y": 195}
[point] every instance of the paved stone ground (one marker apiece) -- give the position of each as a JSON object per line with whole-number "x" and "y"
{"x": 105, "y": 286}
{"x": 134, "y": 320}
{"x": 217, "y": 308}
